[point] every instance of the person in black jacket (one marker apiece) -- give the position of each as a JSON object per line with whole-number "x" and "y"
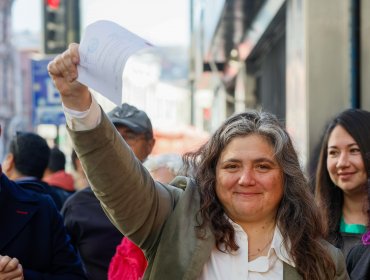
{"x": 33, "y": 241}
{"x": 25, "y": 163}
{"x": 55, "y": 174}
{"x": 92, "y": 233}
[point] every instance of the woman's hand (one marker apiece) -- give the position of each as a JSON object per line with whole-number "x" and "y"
{"x": 10, "y": 269}
{"x": 63, "y": 71}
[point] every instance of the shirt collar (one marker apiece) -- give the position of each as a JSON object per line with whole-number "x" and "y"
{"x": 281, "y": 249}
{"x": 25, "y": 179}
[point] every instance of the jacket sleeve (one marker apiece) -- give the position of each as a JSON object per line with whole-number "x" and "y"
{"x": 64, "y": 263}
{"x": 135, "y": 204}
{"x": 340, "y": 265}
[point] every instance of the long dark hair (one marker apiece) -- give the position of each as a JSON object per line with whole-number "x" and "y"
{"x": 330, "y": 198}
{"x": 297, "y": 217}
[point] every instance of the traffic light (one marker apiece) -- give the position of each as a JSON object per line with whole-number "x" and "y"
{"x": 53, "y": 3}
{"x": 61, "y": 24}
{"x": 54, "y": 26}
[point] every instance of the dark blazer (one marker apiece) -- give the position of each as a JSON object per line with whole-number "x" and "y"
{"x": 358, "y": 262}
{"x": 57, "y": 194}
{"x": 32, "y": 230}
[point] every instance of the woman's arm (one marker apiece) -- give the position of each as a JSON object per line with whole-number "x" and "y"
{"x": 136, "y": 204}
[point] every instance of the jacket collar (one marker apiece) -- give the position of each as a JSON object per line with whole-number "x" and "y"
{"x": 290, "y": 273}
{"x": 201, "y": 254}
{"x": 17, "y": 208}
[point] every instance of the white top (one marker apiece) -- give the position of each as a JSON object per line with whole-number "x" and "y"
{"x": 236, "y": 266}
{"x": 86, "y": 120}
{"x": 220, "y": 265}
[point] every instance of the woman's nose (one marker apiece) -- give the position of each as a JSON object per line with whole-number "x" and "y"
{"x": 247, "y": 177}
{"x": 343, "y": 160}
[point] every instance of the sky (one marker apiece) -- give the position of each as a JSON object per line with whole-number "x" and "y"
{"x": 162, "y": 22}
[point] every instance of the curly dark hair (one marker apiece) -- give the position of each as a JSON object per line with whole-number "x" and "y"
{"x": 298, "y": 217}
{"x": 330, "y": 198}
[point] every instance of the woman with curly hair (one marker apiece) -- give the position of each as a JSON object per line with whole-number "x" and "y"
{"x": 246, "y": 214}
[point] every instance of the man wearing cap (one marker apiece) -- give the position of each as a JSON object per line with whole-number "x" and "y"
{"x": 93, "y": 235}
{"x": 135, "y": 127}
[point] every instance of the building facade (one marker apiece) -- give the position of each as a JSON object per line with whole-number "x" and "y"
{"x": 303, "y": 60}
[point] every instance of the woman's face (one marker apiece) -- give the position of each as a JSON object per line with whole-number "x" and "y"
{"x": 344, "y": 162}
{"x": 249, "y": 181}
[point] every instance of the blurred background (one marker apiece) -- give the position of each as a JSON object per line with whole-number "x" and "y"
{"x": 303, "y": 60}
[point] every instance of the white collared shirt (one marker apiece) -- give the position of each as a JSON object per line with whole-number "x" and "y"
{"x": 235, "y": 265}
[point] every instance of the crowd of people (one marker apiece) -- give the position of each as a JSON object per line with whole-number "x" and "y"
{"x": 239, "y": 207}
{"x": 92, "y": 241}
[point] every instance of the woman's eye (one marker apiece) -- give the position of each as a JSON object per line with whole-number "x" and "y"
{"x": 231, "y": 166}
{"x": 355, "y": 151}
{"x": 263, "y": 167}
{"x": 333, "y": 153}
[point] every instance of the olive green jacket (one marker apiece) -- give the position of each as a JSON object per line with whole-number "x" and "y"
{"x": 159, "y": 218}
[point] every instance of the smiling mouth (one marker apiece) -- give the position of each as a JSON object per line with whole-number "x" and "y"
{"x": 247, "y": 194}
{"x": 345, "y": 175}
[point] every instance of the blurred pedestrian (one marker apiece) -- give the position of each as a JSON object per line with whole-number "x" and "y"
{"x": 135, "y": 127}
{"x": 80, "y": 180}
{"x": 247, "y": 213}
{"x": 33, "y": 241}
{"x": 129, "y": 262}
{"x": 55, "y": 174}
{"x": 164, "y": 167}
{"x": 342, "y": 177}
{"x": 93, "y": 234}
{"x": 26, "y": 161}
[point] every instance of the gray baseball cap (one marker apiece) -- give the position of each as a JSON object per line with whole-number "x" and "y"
{"x": 130, "y": 116}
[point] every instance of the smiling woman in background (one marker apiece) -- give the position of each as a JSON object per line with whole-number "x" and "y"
{"x": 342, "y": 177}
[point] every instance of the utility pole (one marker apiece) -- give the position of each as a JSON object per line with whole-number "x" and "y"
{"x": 8, "y": 96}
{"x": 192, "y": 73}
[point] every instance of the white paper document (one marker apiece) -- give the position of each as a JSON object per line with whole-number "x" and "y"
{"x": 104, "y": 50}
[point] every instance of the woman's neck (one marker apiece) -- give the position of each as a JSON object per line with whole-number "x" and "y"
{"x": 354, "y": 209}
{"x": 260, "y": 235}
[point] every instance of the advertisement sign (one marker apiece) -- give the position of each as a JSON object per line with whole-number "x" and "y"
{"x": 46, "y": 102}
